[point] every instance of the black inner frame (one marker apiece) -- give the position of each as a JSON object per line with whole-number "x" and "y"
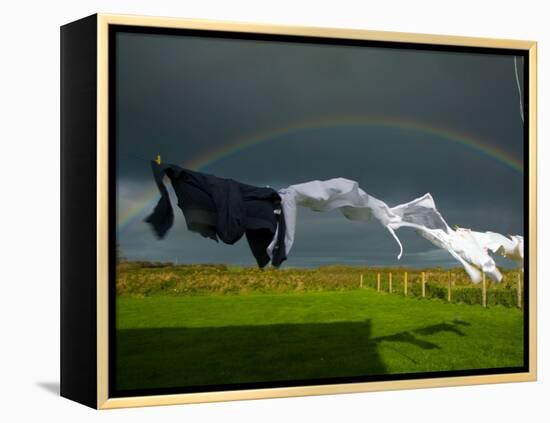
{"x": 114, "y": 29}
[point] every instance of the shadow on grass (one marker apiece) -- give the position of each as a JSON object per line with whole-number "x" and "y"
{"x": 441, "y": 327}
{"x": 154, "y": 358}
{"x": 408, "y": 338}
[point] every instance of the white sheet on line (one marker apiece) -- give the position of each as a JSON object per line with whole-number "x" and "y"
{"x": 511, "y": 248}
{"x": 421, "y": 214}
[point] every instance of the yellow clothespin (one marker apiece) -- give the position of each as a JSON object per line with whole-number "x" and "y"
{"x": 158, "y": 159}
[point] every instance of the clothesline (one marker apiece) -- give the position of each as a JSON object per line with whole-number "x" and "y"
{"x": 225, "y": 209}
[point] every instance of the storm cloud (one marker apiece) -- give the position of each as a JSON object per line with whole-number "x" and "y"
{"x": 401, "y": 122}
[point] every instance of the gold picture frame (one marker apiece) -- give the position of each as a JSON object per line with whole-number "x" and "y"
{"x": 100, "y": 24}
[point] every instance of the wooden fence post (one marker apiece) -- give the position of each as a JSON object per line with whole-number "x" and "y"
{"x": 361, "y": 283}
{"x": 483, "y": 291}
{"x": 520, "y": 305}
{"x": 423, "y": 285}
{"x": 389, "y": 281}
{"x": 378, "y": 282}
{"x": 449, "y": 287}
{"x": 405, "y": 283}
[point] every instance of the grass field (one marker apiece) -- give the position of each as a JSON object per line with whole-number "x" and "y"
{"x": 168, "y": 339}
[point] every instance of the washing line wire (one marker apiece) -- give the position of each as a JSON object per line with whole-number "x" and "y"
{"x": 519, "y": 89}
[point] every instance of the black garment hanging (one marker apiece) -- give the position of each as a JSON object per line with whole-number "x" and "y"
{"x": 220, "y": 208}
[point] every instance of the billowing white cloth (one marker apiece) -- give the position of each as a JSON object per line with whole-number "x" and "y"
{"x": 511, "y": 248}
{"x": 420, "y": 214}
{"x": 337, "y": 193}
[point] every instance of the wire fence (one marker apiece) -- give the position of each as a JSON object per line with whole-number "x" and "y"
{"x": 449, "y": 286}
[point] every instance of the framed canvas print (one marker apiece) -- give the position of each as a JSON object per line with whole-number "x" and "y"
{"x": 255, "y": 211}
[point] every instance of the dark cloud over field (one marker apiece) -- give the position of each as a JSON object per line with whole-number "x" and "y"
{"x": 184, "y": 97}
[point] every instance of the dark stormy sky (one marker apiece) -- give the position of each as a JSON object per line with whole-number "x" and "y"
{"x": 184, "y": 97}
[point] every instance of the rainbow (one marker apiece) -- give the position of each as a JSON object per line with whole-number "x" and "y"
{"x": 148, "y": 199}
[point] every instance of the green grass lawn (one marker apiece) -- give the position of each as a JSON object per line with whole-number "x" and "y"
{"x": 183, "y": 341}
